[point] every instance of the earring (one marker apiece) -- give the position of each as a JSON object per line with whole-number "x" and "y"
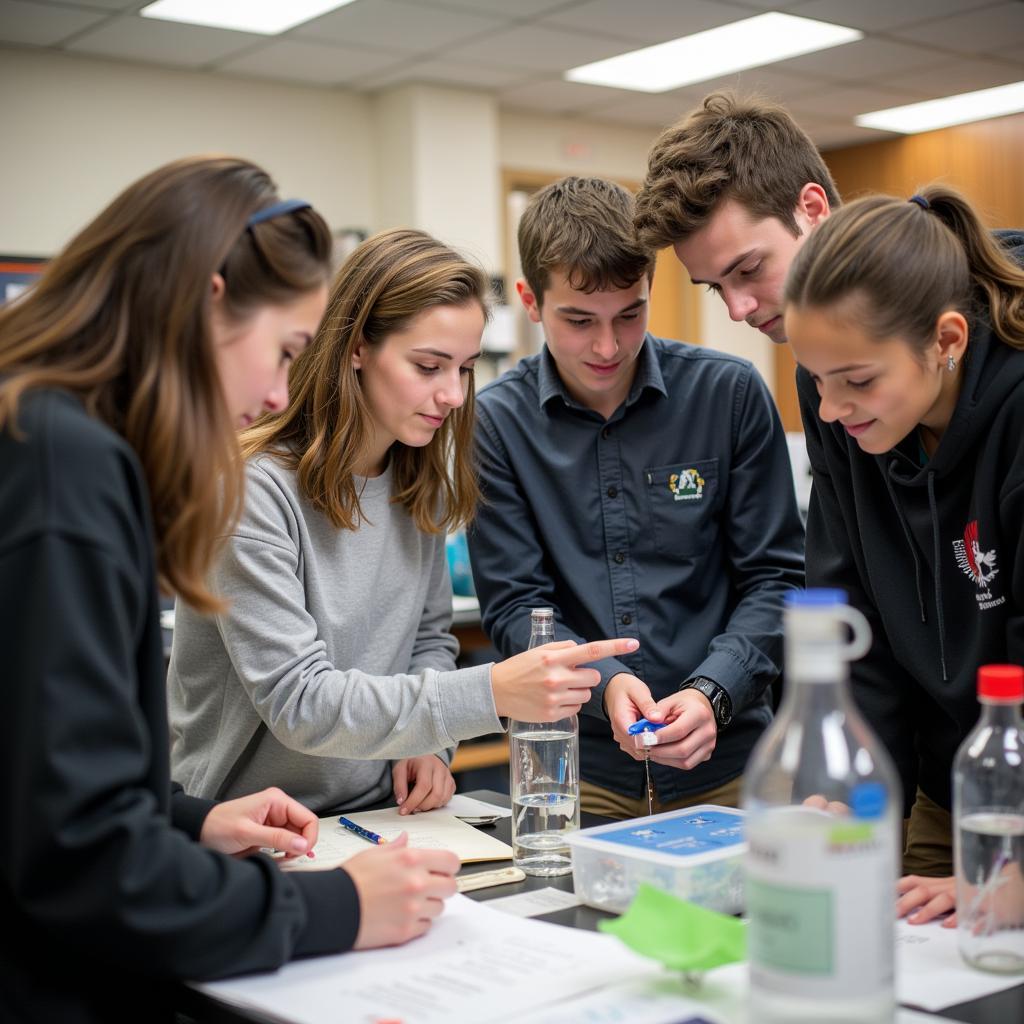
{"x": 950, "y": 363}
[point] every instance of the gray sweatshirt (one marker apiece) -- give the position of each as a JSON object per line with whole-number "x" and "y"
{"x": 333, "y": 657}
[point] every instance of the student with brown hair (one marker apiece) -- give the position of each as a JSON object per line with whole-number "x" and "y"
{"x": 735, "y": 188}
{"x": 332, "y": 672}
{"x": 637, "y": 484}
{"x": 907, "y": 319}
{"x": 166, "y": 323}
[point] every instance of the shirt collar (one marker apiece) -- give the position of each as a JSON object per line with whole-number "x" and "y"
{"x": 648, "y": 375}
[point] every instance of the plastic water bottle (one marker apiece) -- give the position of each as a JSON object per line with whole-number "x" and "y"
{"x": 988, "y": 824}
{"x": 545, "y": 768}
{"x": 823, "y": 810}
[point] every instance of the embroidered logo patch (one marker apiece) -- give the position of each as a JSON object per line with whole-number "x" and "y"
{"x": 686, "y": 485}
{"x": 979, "y": 565}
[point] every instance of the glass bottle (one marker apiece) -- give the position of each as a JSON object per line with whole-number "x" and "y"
{"x": 823, "y": 822}
{"x": 988, "y": 826}
{"x": 545, "y": 780}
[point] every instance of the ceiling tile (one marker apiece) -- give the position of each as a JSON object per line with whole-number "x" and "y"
{"x": 773, "y": 84}
{"x": 442, "y": 71}
{"x": 647, "y": 21}
{"x": 109, "y": 5}
{"x": 295, "y": 61}
{"x": 956, "y": 76}
{"x": 640, "y": 109}
{"x": 973, "y": 32}
{"x": 559, "y": 97}
{"x": 162, "y": 42}
{"x": 882, "y": 15}
{"x": 528, "y": 47}
{"x": 518, "y": 10}
{"x": 408, "y": 27}
{"x": 844, "y": 103}
{"x": 862, "y": 60}
{"x": 39, "y": 25}
{"x": 828, "y": 135}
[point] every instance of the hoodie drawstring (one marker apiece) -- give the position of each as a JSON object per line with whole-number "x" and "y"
{"x": 909, "y": 539}
{"x": 937, "y": 574}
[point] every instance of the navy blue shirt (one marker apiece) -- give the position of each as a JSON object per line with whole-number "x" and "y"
{"x": 674, "y": 521}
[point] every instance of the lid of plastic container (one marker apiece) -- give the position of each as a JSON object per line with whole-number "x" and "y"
{"x": 1001, "y": 682}
{"x": 815, "y": 597}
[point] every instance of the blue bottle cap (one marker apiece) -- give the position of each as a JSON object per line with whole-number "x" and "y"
{"x": 642, "y": 725}
{"x": 868, "y": 800}
{"x": 815, "y": 597}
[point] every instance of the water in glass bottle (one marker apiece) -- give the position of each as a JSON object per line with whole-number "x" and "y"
{"x": 988, "y": 825}
{"x": 545, "y": 769}
{"x": 823, "y": 810}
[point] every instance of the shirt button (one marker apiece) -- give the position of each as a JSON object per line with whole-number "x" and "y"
{"x": 619, "y": 558}
{"x": 626, "y": 619}
{"x": 606, "y": 433}
{"x": 613, "y": 492}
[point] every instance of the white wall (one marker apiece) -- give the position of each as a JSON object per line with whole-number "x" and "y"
{"x": 563, "y": 145}
{"x": 76, "y": 131}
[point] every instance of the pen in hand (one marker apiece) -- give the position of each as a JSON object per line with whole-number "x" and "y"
{"x": 364, "y": 833}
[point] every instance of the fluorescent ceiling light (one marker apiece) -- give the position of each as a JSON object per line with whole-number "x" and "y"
{"x": 268, "y": 17}
{"x": 941, "y": 113}
{"x": 719, "y": 51}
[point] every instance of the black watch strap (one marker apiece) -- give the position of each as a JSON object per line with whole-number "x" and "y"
{"x": 721, "y": 705}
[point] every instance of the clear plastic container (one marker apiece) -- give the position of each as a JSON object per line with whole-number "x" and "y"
{"x": 695, "y": 854}
{"x": 988, "y": 824}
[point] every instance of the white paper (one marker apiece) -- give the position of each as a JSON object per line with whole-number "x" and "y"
{"x": 535, "y": 902}
{"x": 431, "y": 830}
{"x": 931, "y": 974}
{"x": 467, "y": 807}
{"x": 474, "y": 964}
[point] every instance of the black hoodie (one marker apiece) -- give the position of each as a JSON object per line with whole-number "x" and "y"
{"x": 933, "y": 555}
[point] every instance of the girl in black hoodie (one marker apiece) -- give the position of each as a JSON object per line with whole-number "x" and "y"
{"x": 907, "y": 320}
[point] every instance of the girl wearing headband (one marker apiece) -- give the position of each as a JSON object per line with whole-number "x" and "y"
{"x": 165, "y": 324}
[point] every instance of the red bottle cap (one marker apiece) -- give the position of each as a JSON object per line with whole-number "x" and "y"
{"x": 1001, "y": 682}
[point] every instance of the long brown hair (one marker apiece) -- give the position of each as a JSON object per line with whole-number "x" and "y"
{"x": 121, "y": 319}
{"x": 902, "y": 264}
{"x": 384, "y": 284}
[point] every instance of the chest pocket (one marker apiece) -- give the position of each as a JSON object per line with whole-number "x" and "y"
{"x": 682, "y": 500}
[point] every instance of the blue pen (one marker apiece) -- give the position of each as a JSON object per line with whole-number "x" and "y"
{"x": 365, "y": 833}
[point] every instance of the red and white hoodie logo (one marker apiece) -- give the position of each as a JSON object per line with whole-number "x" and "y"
{"x": 978, "y": 564}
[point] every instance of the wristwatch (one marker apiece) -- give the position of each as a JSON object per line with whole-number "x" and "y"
{"x": 721, "y": 705}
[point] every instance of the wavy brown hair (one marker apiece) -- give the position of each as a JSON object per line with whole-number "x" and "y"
{"x": 121, "y": 319}
{"x": 730, "y": 147}
{"x": 387, "y": 282}
{"x": 901, "y": 266}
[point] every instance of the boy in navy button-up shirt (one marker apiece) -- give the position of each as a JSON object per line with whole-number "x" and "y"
{"x": 641, "y": 487}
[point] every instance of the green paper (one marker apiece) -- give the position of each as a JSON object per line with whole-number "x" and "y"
{"x": 681, "y": 935}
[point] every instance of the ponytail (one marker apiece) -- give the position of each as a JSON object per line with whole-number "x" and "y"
{"x": 997, "y": 281}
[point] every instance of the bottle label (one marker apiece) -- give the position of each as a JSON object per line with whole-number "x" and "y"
{"x": 820, "y": 895}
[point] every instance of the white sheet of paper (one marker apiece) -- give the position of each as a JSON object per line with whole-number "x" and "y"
{"x": 467, "y": 807}
{"x": 535, "y": 902}
{"x": 931, "y": 974}
{"x": 431, "y": 830}
{"x": 474, "y": 964}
